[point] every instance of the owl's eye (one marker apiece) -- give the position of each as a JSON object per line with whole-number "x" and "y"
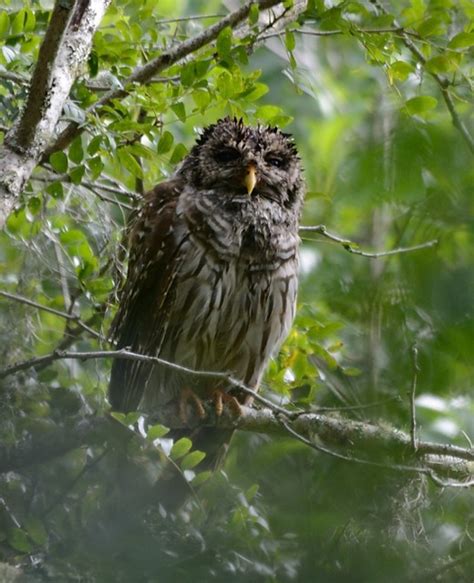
{"x": 274, "y": 161}
{"x": 227, "y": 155}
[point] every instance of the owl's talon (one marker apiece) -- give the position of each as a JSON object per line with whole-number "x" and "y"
{"x": 188, "y": 395}
{"x": 222, "y": 399}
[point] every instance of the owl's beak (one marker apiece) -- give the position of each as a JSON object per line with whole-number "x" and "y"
{"x": 250, "y": 179}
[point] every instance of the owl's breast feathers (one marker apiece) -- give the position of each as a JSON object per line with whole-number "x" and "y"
{"x": 208, "y": 288}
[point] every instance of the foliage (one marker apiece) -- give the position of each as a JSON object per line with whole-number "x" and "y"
{"x": 387, "y": 164}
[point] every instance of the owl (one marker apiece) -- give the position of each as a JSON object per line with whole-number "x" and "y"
{"x": 212, "y": 275}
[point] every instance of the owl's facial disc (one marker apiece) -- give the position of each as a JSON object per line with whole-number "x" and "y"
{"x": 239, "y": 160}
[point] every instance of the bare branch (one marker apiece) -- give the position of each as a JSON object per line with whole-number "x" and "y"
{"x": 351, "y": 247}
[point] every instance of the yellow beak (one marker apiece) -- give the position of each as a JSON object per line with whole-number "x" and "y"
{"x": 250, "y": 178}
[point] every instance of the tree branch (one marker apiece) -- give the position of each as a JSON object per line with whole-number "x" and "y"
{"x": 308, "y": 427}
{"x": 351, "y": 247}
{"x": 64, "y": 49}
{"x": 390, "y": 449}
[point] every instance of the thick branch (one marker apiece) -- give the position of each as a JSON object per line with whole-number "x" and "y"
{"x": 24, "y": 136}
{"x": 65, "y": 48}
{"x": 349, "y": 440}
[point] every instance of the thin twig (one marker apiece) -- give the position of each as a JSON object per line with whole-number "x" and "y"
{"x": 15, "y": 77}
{"x": 188, "y": 18}
{"x": 336, "y": 32}
{"x": 412, "y": 395}
{"x": 350, "y": 245}
{"x": 65, "y": 315}
{"x": 107, "y": 87}
{"x": 117, "y": 189}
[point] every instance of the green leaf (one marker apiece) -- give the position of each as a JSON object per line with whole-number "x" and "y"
{"x": 252, "y": 492}
{"x": 254, "y": 14}
{"x": 4, "y": 24}
{"x": 224, "y": 85}
{"x": 192, "y": 460}
{"x": 178, "y": 154}
{"x": 224, "y": 42}
{"x": 36, "y": 530}
{"x": 94, "y": 145}
{"x": 463, "y": 40}
{"x": 165, "y": 143}
{"x": 58, "y": 161}
{"x": 120, "y": 417}
{"x": 55, "y": 189}
{"x": 76, "y": 153}
{"x": 18, "y": 539}
{"x": 432, "y": 26}
{"x": 421, "y": 104}
{"x": 77, "y": 174}
{"x": 18, "y": 22}
{"x": 400, "y": 70}
{"x": 93, "y": 63}
{"x": 34, "y": 205}
{"x": 100, "y": 287}
{"x": 187, "y": 75}
{"x": 179, "y": 110}
{"x": 443, "y": 63}
{"x": 258, "y": 90}
{"x": 96, "y": 166}
{"x": 268, "y": 112}
{"x": 156, "y": 431}
{"x": 201, "y": 478}
{"x": 30, "y": 21}
{"x": 72, "y": 237}
{"x": 129, "y": 162}
{"x": 201, "y": 98}
{"x": 290, "y": 42}
{"x": 180, "y": 448}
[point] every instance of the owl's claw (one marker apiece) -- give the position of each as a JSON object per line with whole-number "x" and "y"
{"x": 187, "y": 395}
{"x": 221, "y": 398}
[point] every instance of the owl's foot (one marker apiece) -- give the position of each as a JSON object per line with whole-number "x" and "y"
{"x": 189, "y": 396}
{"x": 221, "y": 398}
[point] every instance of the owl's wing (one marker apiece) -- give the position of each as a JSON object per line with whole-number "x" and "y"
{"x": 153, "y": 247}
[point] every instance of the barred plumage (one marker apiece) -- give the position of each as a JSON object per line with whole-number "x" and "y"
{"x": 212, "y": 275}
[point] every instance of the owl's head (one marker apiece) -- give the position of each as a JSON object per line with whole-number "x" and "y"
{"x": 242, "y": 160}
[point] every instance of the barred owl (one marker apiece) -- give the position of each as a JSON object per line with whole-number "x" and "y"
{"x": 212, "y": 274}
